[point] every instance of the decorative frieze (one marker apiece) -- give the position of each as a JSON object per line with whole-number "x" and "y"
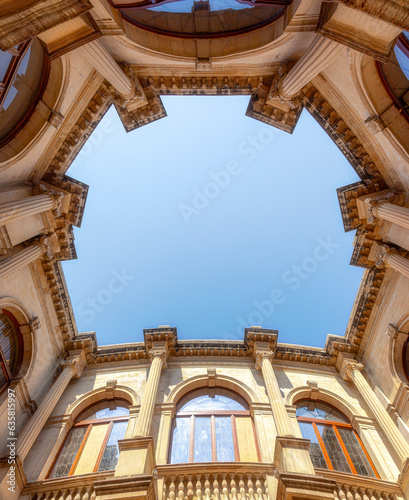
{"x": 342, "y": 135}
{"x": 27, "y": 21}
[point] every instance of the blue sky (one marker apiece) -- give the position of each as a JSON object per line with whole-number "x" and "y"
{"x": 211, "y": 221}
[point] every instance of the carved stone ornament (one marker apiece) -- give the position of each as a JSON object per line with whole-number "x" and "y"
{"x": 161, "y": 353}
{"x": 374, "y": 204}
{"x": 348, "y": 367}
{"x": 276, "y": 92}
{"x": 74, "y": 364}
{"x": 384, "y": 254}
{"x": 55, "y": 195}
{"x": 261, "y": 354}
{"x": 138, "y": 99}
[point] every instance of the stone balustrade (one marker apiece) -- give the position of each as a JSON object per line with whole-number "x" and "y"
{"x": 65, "y": 488}
{"x": 214, "y": 482}
{"x": 240, "y": 481}
{"x": 350, "y": 487}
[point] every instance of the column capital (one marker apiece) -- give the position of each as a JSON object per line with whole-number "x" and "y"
{"x": 261, "y": 353}
{"x": 375, "y": 203}
{"x": 159, "y": 350}
{"x": 75, "y": 362}
{"x": 380, "y": 254}
{"x": 56, "y": 196}
{"x": 348, "y": 366}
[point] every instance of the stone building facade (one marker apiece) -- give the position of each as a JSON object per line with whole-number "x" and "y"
{"x": 221, "y": 420}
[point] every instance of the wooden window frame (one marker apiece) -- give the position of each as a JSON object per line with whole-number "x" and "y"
{"x": 5, "y": 85}
{"x": 8, "y": 375}
{"x": 404, "y": 362}
{"x": 335, "y": 426}
{"x": 89, "y": 424}
{"x": 18, "y": 55}
{"x": 213, "y": 414}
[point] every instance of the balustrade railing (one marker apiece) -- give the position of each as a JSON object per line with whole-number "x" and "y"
{"x": 213, "y": 482}
{"x": 65, "y": 488}
{"x": 350, "y": 487}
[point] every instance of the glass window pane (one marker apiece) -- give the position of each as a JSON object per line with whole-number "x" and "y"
{"x": 5, "y": 59}
{"x": 334, "y": 450}
{"x": 180, "y": 441}
{"x": 312, "y": 409}
{"x": 207, "y": 402}
{"x": 111, "y": 452}
{"x": 356, "y": 453}
{"x": 203, "y": 440}
{"x": 9, "y": 341}
{"x": 69, "y": 452}
{"x": 3, "y": 379}
{"x": 224, "y": 440}
{"x": 316, "y": 454}
{"x": 115, "y": 408}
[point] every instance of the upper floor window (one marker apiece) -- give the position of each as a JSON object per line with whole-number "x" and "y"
{"x": 213, "y": 425}
{"x": 402, "y": 53}
{"x": 202, "y": 18}
{"x": 405, "y": 358}
{"x": 22, "y": 77}
{"x": 334, "y": 444}
{"x": 92, "y": 443}
{"x": 10, "y": 348}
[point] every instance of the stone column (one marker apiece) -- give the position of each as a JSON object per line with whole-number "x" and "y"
{"x": 72, "y": 368}
{"x": 320, "y": 54}
{"x": 13, "y": 211}
{"x": 158, "y": 355}
{"x": 21, "y": 258}
{"x": 392, "y": 259}
{"x": 352, "y": 370}
{"x": 291, "y": 452}
{"x": 137, "y": 454}
{"x": 97, "y": 55}
{"x": 263, "y": 361}
{"x": 393, "y": 213}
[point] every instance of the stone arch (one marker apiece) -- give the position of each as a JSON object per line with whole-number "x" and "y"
{"x": 44, "y": 114}
{"x": 27, "y": 325}
{"x": 201, "y": 381}
{"x": 398, "y": 337}
{"x": 106, "y": 393}
{"x": 320, "y": 395}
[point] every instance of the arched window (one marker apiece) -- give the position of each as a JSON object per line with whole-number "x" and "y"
{"x": 11, "y": 348}
{"x": 92, "y": 443}
{"x": 334, "y": 444}
{"x": 402, "y": 52}
{"x": 23, "y": 75}
{"x": 213, "y": 425}
{"x": 405, "y": 358}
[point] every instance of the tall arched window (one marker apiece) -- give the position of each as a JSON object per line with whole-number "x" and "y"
{"x": 405, "y": 358}
{"x": 11, "y": 348}
{"x": 92, "y": 443}
{"x": 23, "y": 75}
{"x": 213, "y": 425}
{"x": 334, "y": 444}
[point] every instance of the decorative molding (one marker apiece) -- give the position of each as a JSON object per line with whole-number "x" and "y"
{"x": 341, "y": 133}
{"x": 75, "y": 364}
{"x": 348, "y": 366}
{"x": 37, "y": 17}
